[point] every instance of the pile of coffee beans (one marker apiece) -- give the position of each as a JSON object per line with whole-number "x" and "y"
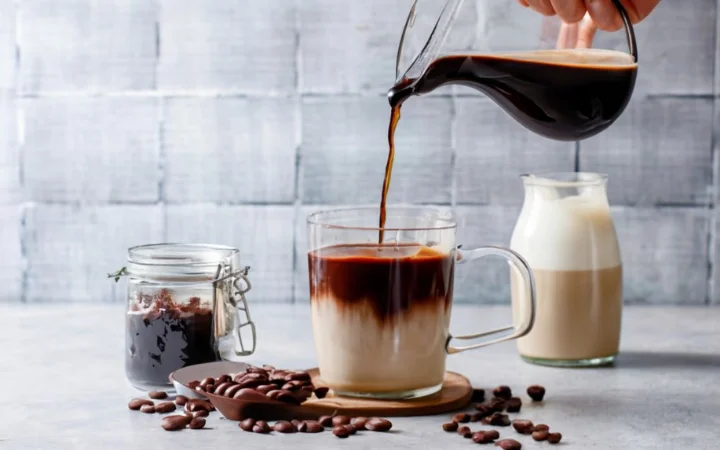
{"x": 195, "y": 410}
{"x": 288, "y": 386}
{"x": 492, "y": 413}
{"x": 341, "y": 426}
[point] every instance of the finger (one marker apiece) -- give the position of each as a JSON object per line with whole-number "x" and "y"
{"x": 570, "y": 11}
{"x": 542, "y": 6}
{"x": 604, "y": 14}
{"x": 568, "y": 35}
{"x": 639, "y": 9}
{"x": 588, "y": 28}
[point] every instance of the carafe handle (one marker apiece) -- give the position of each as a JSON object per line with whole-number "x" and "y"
{"x": 527, "y": 308}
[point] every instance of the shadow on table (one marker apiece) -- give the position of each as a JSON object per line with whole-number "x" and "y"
{"x": 653, "y": 360}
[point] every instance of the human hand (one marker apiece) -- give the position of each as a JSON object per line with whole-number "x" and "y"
{"x": 603, "y": 12}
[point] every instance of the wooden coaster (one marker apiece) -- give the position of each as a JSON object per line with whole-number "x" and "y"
{"x": 455, "y": 394}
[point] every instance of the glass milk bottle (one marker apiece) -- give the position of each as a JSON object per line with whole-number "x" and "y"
{"x": 566, "y": 233}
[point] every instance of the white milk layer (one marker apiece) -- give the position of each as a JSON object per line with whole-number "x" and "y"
{"x": 575, "y": 56}
{"x": 357, "y": 352}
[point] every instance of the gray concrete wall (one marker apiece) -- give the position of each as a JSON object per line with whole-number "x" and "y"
{"x": 133, "y": 121}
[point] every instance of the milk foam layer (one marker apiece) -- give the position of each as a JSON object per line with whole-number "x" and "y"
{"x": 575, "y": 56}
{"x": 571, "y": 233}
{"x": 358, "y": 353}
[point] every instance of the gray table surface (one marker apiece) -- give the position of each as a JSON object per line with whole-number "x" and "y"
{"x": 63, "y": 384}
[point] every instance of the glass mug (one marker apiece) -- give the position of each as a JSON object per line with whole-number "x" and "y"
{"x": 381, "y": 312}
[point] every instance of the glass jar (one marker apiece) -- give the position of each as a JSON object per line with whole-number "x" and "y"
{"x": 186, "y": 305}
{"x": 566, "y": 233}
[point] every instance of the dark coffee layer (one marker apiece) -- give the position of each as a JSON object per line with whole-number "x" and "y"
{"x": 391, "y": 278}
{"x": 166, "y": 338}
{"x": 564, "y": 100}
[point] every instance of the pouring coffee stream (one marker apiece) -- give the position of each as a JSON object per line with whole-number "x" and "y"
{"x": 567, "y": 94}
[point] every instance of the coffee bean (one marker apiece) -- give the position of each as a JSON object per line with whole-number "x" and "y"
{"x": 497, "y": 419}
{"x": 321, "y": 392}
{"x": 303, "y": 394}
{"x": 378, "y": 424}
{"x": 278, "y": 377}
{"x": 461, "y": 418}
{"x": 310, "y": 426}
{"x": 268, "y": 367}
{"x": 247, "y": 424}
{"x": 193, "y": 384}
{"x": 199, "y": 389}
{"x": 341, "y": 431}
{"x": 296, "y": 423}
{"x": 465, "y": 432}
{"x": 502, "y": 392}
{"x": 284, "y": 426}
{"x": 541, "y": 427}
{"x": 165, "y": 407}
{"x": 222, "y": 387}
{"x": 450, "y": 426}
{"x": 351, "y": 428}
{"x": 174, "y": 423}
{"x": 253, "y": 369}
{"x": 157, "y": 395}
{"x": 223, "y": 379}
{"x": 360, "y": 422}
{"x": 292, "y": 385}
{"x": 287, "y": 397}
{"x": 200, "y": 413}
{"x": 249, "y": 395}
{"x": 265, "y": 388}
{"x": 207, "y": 381}
{"x": 232, "y": 390}
{"x": 483, "y": 410}
{"x": 513, "y": 404}
{"x": 523, "y": 426}
{"x": 197, "y": 404}
{"x": 509, "y": 444}
{"x": 147, "y": 409}
{"x": 297, "y": 375}
{"x": 340, "y": 420}
{"x": 326, "y": 421}
{"x": 536, "y": 392}
{"x": 482, "y": 437}
{"x": 477, "y": 417}
{"x": 261, "y": 427}
{"x": 180, "y": 400}
{"x": 492, "y": 434}
{"x": 497, "y": 405}
{"x": 554, "y": 438}
{"x": 540, "y": 435}
{"x": 478, "y": 396}
{"x": 197, "y": 423}
{"x": 136, "y": 403}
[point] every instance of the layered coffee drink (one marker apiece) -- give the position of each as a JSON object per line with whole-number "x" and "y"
{"x": 571, "y": 245}
{"x": 380, "y": 317}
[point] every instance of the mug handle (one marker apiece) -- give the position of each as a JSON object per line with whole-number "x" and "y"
{"x": 528, "y": 318}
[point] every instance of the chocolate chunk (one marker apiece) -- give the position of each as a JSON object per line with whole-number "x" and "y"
{"x": 180, "y": 400}
{"x": 483, "y": 410}
{"x": 536, "y": 392}
{"x": 497, "y": 405}
{"x": 478, "y": 396}
{"x": 541, "y": 427}
{"x": 523, "y": 426}
{"x": 378, "y": 424}
{"x": 461, "y": 418}
{"x": 340, "y": 420}
{"x": 165, "y": 407}
{"x": 554, "y": 438}
{"x": 321, "y": 392}
{"x": 465, "y": 432}
{"x": 310, "y": 426}
{"x": 450, "y": 426}
{"x": 136, "y": 403}
{"x": 197, "y": 423}
{"x": 513, "y": 404}
{"x": 247, "y": 424}
{"x": 341, "y": 431}
{"x": 503, "y": 392}
{"x": 176, "y": 422}
{"x": 261, "y": 427}
{"x": 284, "y": 426}
{"x": 326, "y": 421}
{"x": 509, "y": 444}
{"x": 157, "y": 395}
{"x": 540, "y": 435}
{"x": 148, "y": 409}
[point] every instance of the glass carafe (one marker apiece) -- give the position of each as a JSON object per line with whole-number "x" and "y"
{"x": 544, "y": 73}
{"x": 566, "y": 234}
